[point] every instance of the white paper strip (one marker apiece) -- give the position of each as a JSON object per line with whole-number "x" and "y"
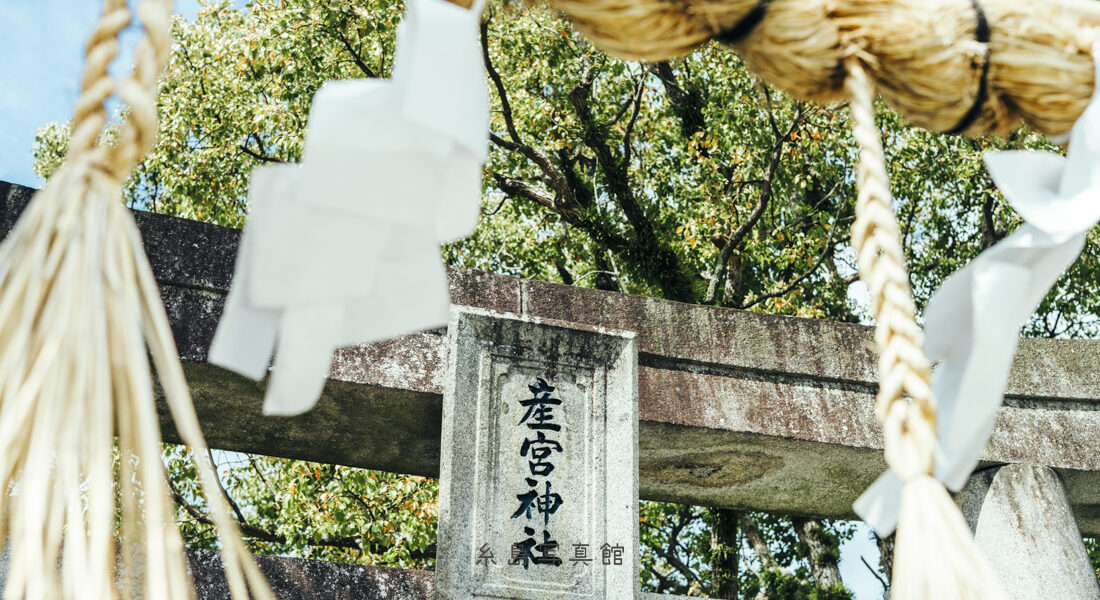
{"x": 972, "y": 322}
{"x": 345, "y": 248}
{"x": 442, "y": 48}
{"x": 245, "y": 338}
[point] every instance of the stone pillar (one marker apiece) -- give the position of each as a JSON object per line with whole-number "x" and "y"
{"x": 1027, "y": 532}
{"x": 538, "y": 486}
{"x": 971, "y": 498}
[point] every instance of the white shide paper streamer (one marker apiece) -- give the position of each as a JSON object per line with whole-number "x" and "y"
{"x": 972, "y": 322}
{"x": 344, "y": 248}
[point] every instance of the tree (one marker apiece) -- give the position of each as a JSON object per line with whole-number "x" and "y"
{"x": 688, "y": 180}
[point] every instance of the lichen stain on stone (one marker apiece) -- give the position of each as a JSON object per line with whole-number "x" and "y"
{"x": 714, "y": 469}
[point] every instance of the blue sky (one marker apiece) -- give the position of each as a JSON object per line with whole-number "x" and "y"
{"x": 43, "y": 50}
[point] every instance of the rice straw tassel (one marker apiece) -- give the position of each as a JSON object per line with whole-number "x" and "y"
{"x": 79, "y": 316}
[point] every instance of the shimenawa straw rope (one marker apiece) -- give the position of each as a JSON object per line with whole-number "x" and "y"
{"x": 934, "y": 556}
{"x": 80, "y": 315}
{"x": 926, "y": 57}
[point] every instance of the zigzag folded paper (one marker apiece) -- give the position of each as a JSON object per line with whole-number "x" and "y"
{"x": 344, "y": 249}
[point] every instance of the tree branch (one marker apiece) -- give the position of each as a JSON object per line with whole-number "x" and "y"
{"x": 225, "y": 494}
{"x": 885, "y": 586}
{"x": 669, "y": 551}
{"x": 565, "y": 199}
{"x": 686, "y": 103}
{"x": 262, "y": 154}
{"x": 528, "y": 191}
{"x": 774, "y": 158}
{"x": 260, "y": 474}
{"x": 500, "y": 205}
{"x": 820, "y": 260}
{"x": 614, "y": 170}
{"x": 771, "y": 110}
{"x": 767, "y": 185}
{"x": 886, "y": 554}
{"x": 506, "y": 106}
{"x": 823, "y": 552}
{"x": 651, "y": 255}
{"x": 563, "y": 272}
{"x": 369, "y": 72}
{"x": 760, "y": 546}
{"x": 674, "y": 561}
{"x": 666, "y": 584}
{"x": 627, "y": 148}
{"x": 990, "y": 235}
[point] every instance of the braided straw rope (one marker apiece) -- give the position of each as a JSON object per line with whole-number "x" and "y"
{"x": 80, "y": 315}
{"x": 926, "y": 57}
{"x": 903, "y": 367}
{"x": 935, "y": 556}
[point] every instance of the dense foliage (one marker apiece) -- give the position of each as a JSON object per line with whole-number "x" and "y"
{"x": 688, "y": 180}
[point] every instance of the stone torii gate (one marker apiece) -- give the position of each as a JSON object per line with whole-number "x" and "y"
{"x": 736, "y": 409}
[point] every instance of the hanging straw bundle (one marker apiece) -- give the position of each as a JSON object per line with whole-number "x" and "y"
{"x": 812, "y": 67}
{"x": 958, "y": 66}
{"x": 80, "y": 315}
{"x": 635, "y": 30}
{"x": 1045, "y": 69}
{"x": 928, "y": 61}
{"x": 976, "y": 67}
{"x": 934, "y": 554}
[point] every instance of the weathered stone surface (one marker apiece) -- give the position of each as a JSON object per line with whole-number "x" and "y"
{"x": 738, "y": 393}
{"x": 584, "y": 483}
{"x": 193, "y": 263}
{"x": 16, "y": 198}
{"x": 189, "y": 253}
{"x": 487, "y": 291}
{"x": 391, "y": 429}
{"x": 702, "y": 335}
{"x": 972, "y": 496}
{"x": 728, "y": 469}
{"x": 297, "y": 579}
{"x": 1026, "y": 530}
{"x": 412, "y": 362}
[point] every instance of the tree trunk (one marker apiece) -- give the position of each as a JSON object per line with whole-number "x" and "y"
{"x": 759, "y": 545}
{"x": 886, "y": 549}
{"x": 724, "y": 554}
{"x": 823, "y": 552}
{"x": 604, "y": 279}
{"x": 733, "y": 296}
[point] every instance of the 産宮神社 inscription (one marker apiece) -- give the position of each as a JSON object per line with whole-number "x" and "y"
{"x": 539, "y": 493}
{"x": 539, "y": 455}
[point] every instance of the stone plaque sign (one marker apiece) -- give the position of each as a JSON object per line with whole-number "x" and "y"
{"x": 539, "y": 473}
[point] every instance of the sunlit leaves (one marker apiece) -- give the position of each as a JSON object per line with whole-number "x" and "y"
{"x": 313, "y": 510}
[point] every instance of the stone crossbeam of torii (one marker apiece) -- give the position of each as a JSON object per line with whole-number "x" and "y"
{"x": 736, "y": 409}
